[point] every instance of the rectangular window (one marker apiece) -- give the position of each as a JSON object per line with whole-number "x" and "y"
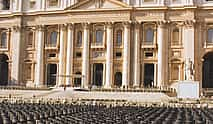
{"x": 3, "y": 40}
{"x": 118, "y": 54}
{"x": 99, "y": 37}
{"x": 53, "y": 3}
{"x": 78, "y": 55}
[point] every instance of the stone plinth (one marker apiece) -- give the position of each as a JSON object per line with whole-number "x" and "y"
{"x": 188, "y": 90}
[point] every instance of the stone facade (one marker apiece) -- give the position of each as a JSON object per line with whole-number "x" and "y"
{"x": 105, "y": 43}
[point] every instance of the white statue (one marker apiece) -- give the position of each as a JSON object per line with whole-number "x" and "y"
{"x": 189, "y": 70}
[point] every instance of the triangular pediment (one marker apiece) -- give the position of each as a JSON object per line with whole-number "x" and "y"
{"x": 98, "y": 4}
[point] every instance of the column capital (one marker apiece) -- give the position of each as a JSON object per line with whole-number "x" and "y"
{"x": 16, "y": 28}
{"x": 189, "y": 23}
{"x": 127, "y": 24}
{"x": 70, "y": 26}
{"x": 109, "y": 24}
{"x": 162, "y": 23}
{"x": 86, "y": 25}
{"x": 40, "y": 27}
{"x": 63, "y": 26}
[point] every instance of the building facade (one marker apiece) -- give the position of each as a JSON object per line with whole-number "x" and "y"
{"x": 105, "y": 43}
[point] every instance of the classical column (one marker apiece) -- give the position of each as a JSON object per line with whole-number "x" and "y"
{"x": 126, "y": 56}
{"x": 85, "y": 61}
{"x": 39, "y": 66}
{"x": 136, "y": 82}
{"x": 179, "y": 72}
{"x": 109, "y": 56}
{"x": 1, "y": 4}
{"x": 16, "y": 55}
{"x": 162, "y": 54}
{"x": 189, "y": 40}
{"x": 43, "y": 5}
{"x": 61, "y": 69}
{"x": 69, "y": 67}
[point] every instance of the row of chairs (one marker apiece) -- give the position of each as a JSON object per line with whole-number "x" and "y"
{"x": 38, "y": 113}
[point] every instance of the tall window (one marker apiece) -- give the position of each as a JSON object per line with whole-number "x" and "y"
{"x": 175, "y": 36}
{"x": 6, "y": 4}
{"x": 30, "y": 39}
{"x": 149, "y": 35}
{"x": 53, "y": 39}
{"x": 3, "y": 40}
{"x": 79, "y": 38}
{"x": 99, "y": 37}
{"x": 210, "y": 36}
{"x": 119, "y": 38}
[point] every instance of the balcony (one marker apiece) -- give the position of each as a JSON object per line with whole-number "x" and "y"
{"x": 208, "y": 44}
{"x": 97, "y": 45}
{"x": 149, "y": 44}
{"x": 51, "y": 46}
{"x": 3, "y": 47}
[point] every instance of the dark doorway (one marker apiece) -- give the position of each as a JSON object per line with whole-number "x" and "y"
{"x": 51, "y": 74}
{"x": 207, "y": 81}
{"x": 118, "y": 79}
{"x": 98, "y": 74}
{"x": 148, "y": 75}
{"x": 3, "y": 70}
{"x": 77, "y": 79}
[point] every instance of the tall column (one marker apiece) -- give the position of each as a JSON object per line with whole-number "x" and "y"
{"x": 62, "y": 56}
{"x": 109, "y": 56}
{"x": 39, "y": 66}
{"x": 126, "y": 56}
{"x": 1, "y": 4}
{"x": 69, "y": 67}
{"x": 16, "y": 55}
{"x": 136, "y": 55}
{"x": 162, "y": 54}
{"x": 189, "y": 43}
{"x": 20, "y": 4}
{"x": 43, "y": 5}
{"x": 85, "y": 61}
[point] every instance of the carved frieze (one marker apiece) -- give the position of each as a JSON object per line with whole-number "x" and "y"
{"x": 149, "y": 16}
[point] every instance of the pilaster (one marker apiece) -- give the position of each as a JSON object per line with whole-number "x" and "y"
{"x": 39, "y": 66}
{"x": 16, "y": 55}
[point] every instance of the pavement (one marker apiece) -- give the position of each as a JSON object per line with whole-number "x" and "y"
{"x": 70, "y": 93}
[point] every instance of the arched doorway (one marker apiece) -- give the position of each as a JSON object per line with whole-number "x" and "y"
{"x": 77, "y": 79}
{"x": 3, "y": 69}
{"x": 118, "y": 79}
{"x": 51, "y": 74}
{"x": 98, "y": 74}
{"x": 207, "y": 80}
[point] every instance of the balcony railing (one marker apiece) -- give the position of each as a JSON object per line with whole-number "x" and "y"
{"x": 51, "y": 46}
{"x": 97, "y": 45}
{"x": 149, "y": 44}
{"x": 3, "y": 47}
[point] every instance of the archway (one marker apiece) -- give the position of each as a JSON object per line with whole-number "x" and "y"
{"x": 3, "y": 69}
{"x": 207, "y": 80}
{"x": 118, "y": 79}
{"x": 51, "y": 74}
